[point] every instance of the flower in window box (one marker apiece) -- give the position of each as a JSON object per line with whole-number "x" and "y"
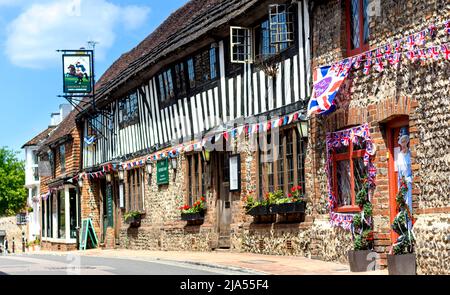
{"x": 133, "y": 218}
{"x": 196, "y": 212}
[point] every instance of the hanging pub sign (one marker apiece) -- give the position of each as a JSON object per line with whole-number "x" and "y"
{"x": 162, "y": 172}
{"x": 77, "y": 69}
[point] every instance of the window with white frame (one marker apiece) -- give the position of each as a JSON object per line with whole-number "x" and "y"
{"x": 241, "y": 45}
{"x": 281, "y": 24}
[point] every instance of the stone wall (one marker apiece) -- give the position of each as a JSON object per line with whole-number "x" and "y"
{"x": 416, "y": 91}
{"x": 9, "y": 225}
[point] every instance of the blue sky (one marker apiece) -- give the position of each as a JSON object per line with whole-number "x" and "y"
{"x": 30, "y": 69}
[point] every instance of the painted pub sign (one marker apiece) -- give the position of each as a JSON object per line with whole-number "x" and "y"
{"x": 77, "y": 69}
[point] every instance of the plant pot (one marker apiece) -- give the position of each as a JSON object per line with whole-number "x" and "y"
{"x": 193, "y": 216}
{"x": 358, "y": 260}
{"x": 402, "y": 264}
{"x": 134, "y": 222}
{"x": 286, "y": 208}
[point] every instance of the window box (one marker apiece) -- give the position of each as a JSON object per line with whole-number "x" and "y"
{"x": 133, "y": 218}
{"x": 402, "y": 264}
{"x": 259, "y": 210}
{"x": 193, "y": 216}
{"x": 298, "y": 207}
{"x": 262, "y": 214}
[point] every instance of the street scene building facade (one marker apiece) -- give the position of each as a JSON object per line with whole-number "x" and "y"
{"x": 211, "y": 112}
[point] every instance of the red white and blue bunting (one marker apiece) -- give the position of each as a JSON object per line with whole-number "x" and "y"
{"x": 339, "y": 139}
{"x": 412, "y": 47}
{"x": 248, "y": 129}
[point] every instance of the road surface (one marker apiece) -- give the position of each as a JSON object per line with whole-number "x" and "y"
{"x": 73, "y": 264}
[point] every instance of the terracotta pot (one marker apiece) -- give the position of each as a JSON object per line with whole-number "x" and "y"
{"x": 358, "y": 260}
{"x": 402, "y": 264}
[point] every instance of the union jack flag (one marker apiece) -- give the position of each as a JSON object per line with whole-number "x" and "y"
{"x": 410, "y": 43}
{"x": 326, "y": 86}
{"x": 398, "y": 46}
{"x": 447, "y": 26}
{"x": 387, "y": 51}
{"x": 420, "y": 39}
{"x": 432, "y": 29}
{"x": 433, "y": 53}
{"x": 357, "y": 61}
{"x": 412, "y": 56}
{"x": 446, "y": 51}
{"x": 422, "y": 55}
{"x": 395, "y": 59}
{"x": 367, "y": 67}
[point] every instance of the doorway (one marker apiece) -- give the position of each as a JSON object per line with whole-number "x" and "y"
{"x": 395, "y": 130}
{"x": 224, "y": 200}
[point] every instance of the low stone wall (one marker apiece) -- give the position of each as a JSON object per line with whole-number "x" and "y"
{"x": 54, "y": 246}
{"x": 432, "y": 233}
{"x": 313, "y": 239}
{"x": 179, "y": 237}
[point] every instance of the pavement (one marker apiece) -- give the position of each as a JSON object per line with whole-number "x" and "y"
{"x": 225, "y": 261}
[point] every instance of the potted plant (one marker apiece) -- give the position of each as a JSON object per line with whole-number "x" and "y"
{"x": 362, "y": 232}
{"x": 261, "y": 210}
{"x": 133, "y": 218}
{"x": 194, "y": 213}
{"x": 293, "y": 203}
{"x": 401, "y": 259}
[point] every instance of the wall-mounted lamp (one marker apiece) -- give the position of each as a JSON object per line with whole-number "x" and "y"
{"x": 121, "y": 173}
{"x": 302, "y": 127}
{"x": 149, "y": 166}
{"x": 80, "y": 180}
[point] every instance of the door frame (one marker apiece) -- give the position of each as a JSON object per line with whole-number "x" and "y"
{"x": 392, "y": 179}
{"x": 220, "y": 159}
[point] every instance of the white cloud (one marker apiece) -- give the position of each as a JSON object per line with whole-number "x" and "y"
{"x": 134, "y": 16}
{"x": 40, "y": 29}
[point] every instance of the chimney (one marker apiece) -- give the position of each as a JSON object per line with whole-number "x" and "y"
{"x": 55, "y": 119}
{"x": 64, "y": 110}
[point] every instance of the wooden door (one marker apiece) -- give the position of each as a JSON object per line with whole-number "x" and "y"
{"x": 393, "y": 131}
{"x": 224, "y": 201}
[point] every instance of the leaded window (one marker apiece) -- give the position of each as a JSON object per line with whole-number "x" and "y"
{"x": 128, "y": 110}
{"x": 281, "y": 161}
{"x": 358, "y": 26}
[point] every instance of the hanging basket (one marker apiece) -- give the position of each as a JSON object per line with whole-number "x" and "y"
{"x": 268, "y": 63}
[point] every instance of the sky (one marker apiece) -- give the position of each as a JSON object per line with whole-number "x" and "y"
{"x": 30, "y": 68}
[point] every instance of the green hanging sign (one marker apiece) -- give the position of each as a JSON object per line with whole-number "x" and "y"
{"x": 162, "y": 172}
{"x": 88, "y": 233}
{"x": 109, "y": 206}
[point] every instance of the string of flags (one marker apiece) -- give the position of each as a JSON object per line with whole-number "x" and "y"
{"x": 391, "y": 53}
{"x": 200, "y": 144}
{"x": 328, "y": 79}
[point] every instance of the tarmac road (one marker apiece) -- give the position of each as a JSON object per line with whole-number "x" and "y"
{"x": 73, "y": 264}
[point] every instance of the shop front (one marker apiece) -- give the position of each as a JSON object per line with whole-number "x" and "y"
{"x": 60, "y": 218}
